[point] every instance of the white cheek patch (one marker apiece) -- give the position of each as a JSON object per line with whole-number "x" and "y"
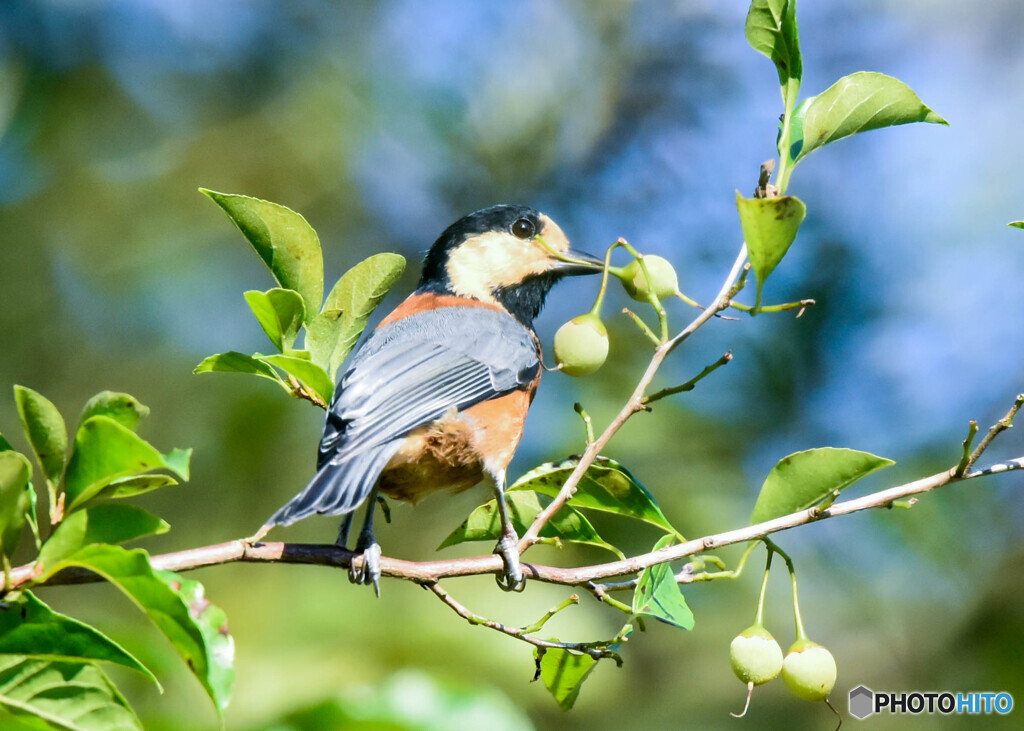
{"x": 492, "y": 260}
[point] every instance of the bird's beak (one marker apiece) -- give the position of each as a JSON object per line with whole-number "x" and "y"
{"x": 582, "y": 263}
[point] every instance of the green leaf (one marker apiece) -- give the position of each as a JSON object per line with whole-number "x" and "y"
{"x": 31, "y": 516}
{"x": 17, "y": 499}
{"x": 135, "y": 485}
{"x": 129, "y": 571}
{"x": 5, "y": 446}
{"x": 769, "y": 228}
{"x": 280, "y": 313}
{"x": 104, "y": 523}
{"x": 121, "y": 407}
{"x": 213, "y": 624}
{"x": 804, "y": 479}
{"x": 284, "y": 240}
{"x": 64, "y": 695}
{"x": 563, "y": 673}
{"x": 235, "y": 362}
{"x": 568, "y": 524}
{"x": 657, "y": 593}
{"x": 28, "y": 627}
{"x": 1016, "y": 224}
{"x": 311, "y": 375}
{"x": 332, "y": 334}
{"x": 104, "y": 451}
{"x": 771, "y": 29}
{"x": 606, "y": 486}
{"x": 45, "y": 430}
{"x": 796, "y": 131}
{"x": 857, "y": 103}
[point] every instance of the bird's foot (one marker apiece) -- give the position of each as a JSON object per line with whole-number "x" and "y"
{"x": 513, "y": 578}
{"x": 369, "y": 568}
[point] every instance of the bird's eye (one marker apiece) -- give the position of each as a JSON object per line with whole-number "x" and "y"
{"x": 523, "y": 228}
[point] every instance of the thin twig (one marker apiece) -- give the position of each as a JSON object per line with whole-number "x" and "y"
{"x": 689, "y": 385}
{"x": 600, "y": 592}
{"x": 635, "y": 403}
{"x": 799, "y": 304}
{"x": 589, "y": 648}
{"x": 539, "y": 624}
{"x": 587, "y": 423}
{"x": 1002, "y": 425}
{"x": 965, "y": 460}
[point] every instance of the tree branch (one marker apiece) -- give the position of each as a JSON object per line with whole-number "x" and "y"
{"x": 596, "y": 650}
{"x": 1002, "y": 425}
{"x": 635, "y": 402}
{"x": 430, "y": 572}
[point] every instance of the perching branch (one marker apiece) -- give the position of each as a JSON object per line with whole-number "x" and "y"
{"x": 430, "y": 572}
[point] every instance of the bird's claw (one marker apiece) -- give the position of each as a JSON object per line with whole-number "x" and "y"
{"x": 512, "y": 579}
{"x": 369, "y": 568}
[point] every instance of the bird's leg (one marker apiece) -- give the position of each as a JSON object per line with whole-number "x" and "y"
{"x": 346, "y": 525}
{"x": 258, "y": 535}
{"x": 507, "y": 548}
{"x": 369, "y": 570}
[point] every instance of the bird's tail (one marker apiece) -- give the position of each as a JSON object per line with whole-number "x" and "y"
{"x": 337, "y": 489}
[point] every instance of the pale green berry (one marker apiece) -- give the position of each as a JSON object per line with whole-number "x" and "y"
{"x": 581, "y": 345}
{"x": 755, "y": 655}
{"x": 809, "y": 670}
{"x": 663, "y": 278}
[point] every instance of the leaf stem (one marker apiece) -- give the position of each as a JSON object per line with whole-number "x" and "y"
{"x": 759, "y": 617}
{"x": 689, "y": 301}
{"x": 798, "y": 620}
{"x": 642, "y": 325}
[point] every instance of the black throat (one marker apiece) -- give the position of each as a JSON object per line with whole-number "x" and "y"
{"x": 525, "y": 300}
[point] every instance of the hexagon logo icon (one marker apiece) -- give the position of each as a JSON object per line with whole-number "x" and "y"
{"x": 862, "y": 702}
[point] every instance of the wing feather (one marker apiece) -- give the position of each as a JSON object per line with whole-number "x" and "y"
{"x": 413, "y": 371}
{"x": 407, "y": 374}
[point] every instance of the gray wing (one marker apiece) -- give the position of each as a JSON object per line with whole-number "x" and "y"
{"x": 412, "y": 371}
{"x": 408, "y": 374}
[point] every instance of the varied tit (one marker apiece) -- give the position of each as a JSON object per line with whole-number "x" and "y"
{"x": 436, "y": 397}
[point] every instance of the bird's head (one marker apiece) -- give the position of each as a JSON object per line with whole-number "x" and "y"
{"x": 509, "y": 255}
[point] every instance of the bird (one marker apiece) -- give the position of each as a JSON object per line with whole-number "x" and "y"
{"x": 436, "y": 396}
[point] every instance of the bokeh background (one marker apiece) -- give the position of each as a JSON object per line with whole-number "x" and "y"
{"x": 384, "y": 122}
